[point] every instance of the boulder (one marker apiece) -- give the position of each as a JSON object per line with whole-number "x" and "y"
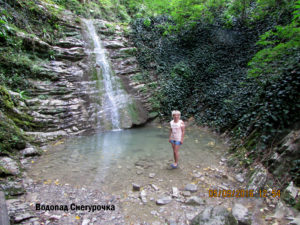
{"x": 214, "y": 215}
{"x": 30, "y": 151}
{"x": 9, "y": 166}
{"x": 258, "y": 179}
{"x": 241, "y": 213}
{"x": 292, "y": 190}
{"x": 12, "y": 188}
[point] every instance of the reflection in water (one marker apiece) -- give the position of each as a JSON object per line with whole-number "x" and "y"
{"x": 111, "y": 159}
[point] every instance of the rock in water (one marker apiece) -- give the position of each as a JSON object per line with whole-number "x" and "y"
{"x": 217, "y": 215}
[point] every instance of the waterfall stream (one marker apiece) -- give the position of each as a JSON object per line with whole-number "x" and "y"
{"x": 111, "y": 108}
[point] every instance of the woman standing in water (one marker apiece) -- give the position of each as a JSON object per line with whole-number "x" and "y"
{"x": 176, "y": 135}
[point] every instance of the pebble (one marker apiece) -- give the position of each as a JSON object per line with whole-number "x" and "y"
{"x": 223, "y": 159}
{"x": 154, "y": 187}
{"x": 175, "y": 192}
{"x": 172, "y": 222}
{"x": 143, "y": 196}
{"x": 153, "y": 212}
{"x": 152, "y": 175}
{"x": 162, "y": 209}
{"x": 136, "y": 187}
{"x": 186, "y": 193}
{"x": 21, "y": 217}
{"x": 191, "y": 187}
{"x": 239, "y": 178}
{"x": 194, "y": 200}
{"x": 85, "y": 222}
{"x": 139, "y": 172}
{"x": 190, "y": 216}
{"x": 164, "y": 200}
{"x": 55, "y": 217}
{"x": 197, "y": 175}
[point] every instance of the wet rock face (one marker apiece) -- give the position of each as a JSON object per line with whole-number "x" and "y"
{"x": 217, "y": 215}
{"x": 68, "y": 100}
{"x": 59, "y": 101}
{"x": 122, "y": 54}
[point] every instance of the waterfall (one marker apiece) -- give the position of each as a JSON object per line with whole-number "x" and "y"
{"x": 110, "y": 99}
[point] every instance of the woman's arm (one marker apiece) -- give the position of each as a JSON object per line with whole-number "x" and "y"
{"x": 182, "y": 130}
{"x": 170, "y": 135}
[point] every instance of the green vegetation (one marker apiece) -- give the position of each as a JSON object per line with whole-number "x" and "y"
{"x": 111, "y": 10}
{"x": 190, "y": 12}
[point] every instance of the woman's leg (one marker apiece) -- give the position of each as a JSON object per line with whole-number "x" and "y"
{"x": 176, "y": 155}
{"x": 174, "y": 147}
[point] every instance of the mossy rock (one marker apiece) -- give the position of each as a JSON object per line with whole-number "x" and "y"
{"x": 6, "y": 102}
{"x": 9, "y": 107}
{"x": 153, "y": 115}
{"x": 134, "y": 113}
{"x": 11, "y": 137}
{"x": 4, "y": 172}
{"x": 129, "y": 51}
{"x": 297, "y": 205}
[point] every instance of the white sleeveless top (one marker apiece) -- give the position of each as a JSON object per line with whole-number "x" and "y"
{"x": 176, "y": 130}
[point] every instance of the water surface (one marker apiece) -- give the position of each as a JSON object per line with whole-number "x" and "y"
{"x": 111, "y": 161}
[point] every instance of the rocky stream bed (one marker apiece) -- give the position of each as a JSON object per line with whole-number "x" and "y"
{"x": 156, "y": 194}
